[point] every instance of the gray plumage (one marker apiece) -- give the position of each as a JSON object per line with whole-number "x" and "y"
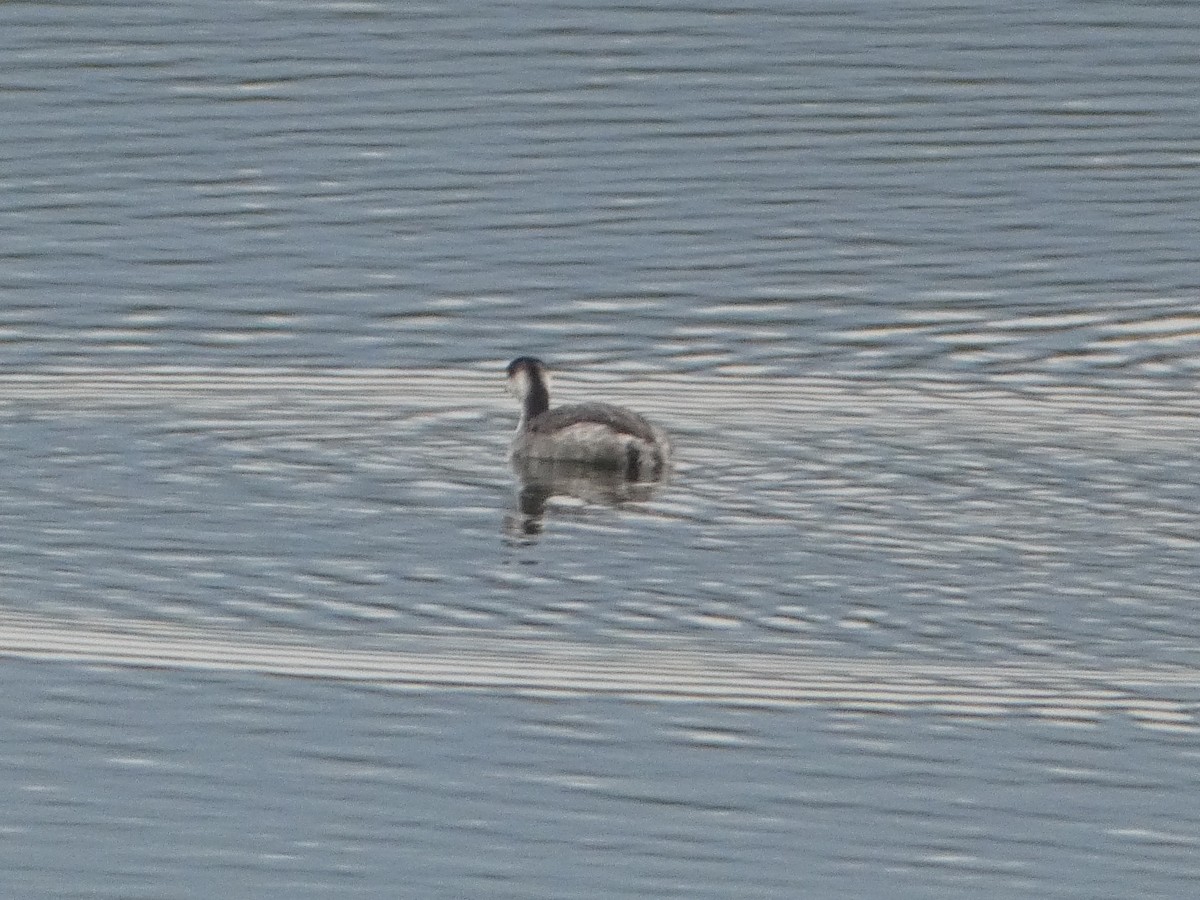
{"x": 623, "y": 421}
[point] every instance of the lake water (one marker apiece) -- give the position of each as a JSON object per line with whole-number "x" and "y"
{"x": 912, "y": 285}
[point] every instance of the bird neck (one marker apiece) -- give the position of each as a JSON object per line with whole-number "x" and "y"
{"x": 537, "y": 400}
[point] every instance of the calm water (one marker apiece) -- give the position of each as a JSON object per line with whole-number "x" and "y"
{"x": 913, "y": 286}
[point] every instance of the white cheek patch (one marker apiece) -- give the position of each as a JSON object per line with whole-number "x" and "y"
{"x": 521, "y": 382}
{"x": 518, "y": 384}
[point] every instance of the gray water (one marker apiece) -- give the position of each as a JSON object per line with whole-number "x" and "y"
{"x": 913, "y": 287}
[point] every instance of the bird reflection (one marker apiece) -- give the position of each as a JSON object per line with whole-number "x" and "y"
{"x": 541, "y": 479}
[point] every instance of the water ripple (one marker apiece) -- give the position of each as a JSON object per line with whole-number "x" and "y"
{"x": 1163, "y": 698}
{"x": 926, "y": 519}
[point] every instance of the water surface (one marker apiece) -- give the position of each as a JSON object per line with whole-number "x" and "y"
{"x": 912, "y": 286}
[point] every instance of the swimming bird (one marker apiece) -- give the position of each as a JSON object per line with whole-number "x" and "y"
{"x": 595, "y": 434}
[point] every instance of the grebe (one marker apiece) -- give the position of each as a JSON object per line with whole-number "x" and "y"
{"x": 596, "y": 434}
